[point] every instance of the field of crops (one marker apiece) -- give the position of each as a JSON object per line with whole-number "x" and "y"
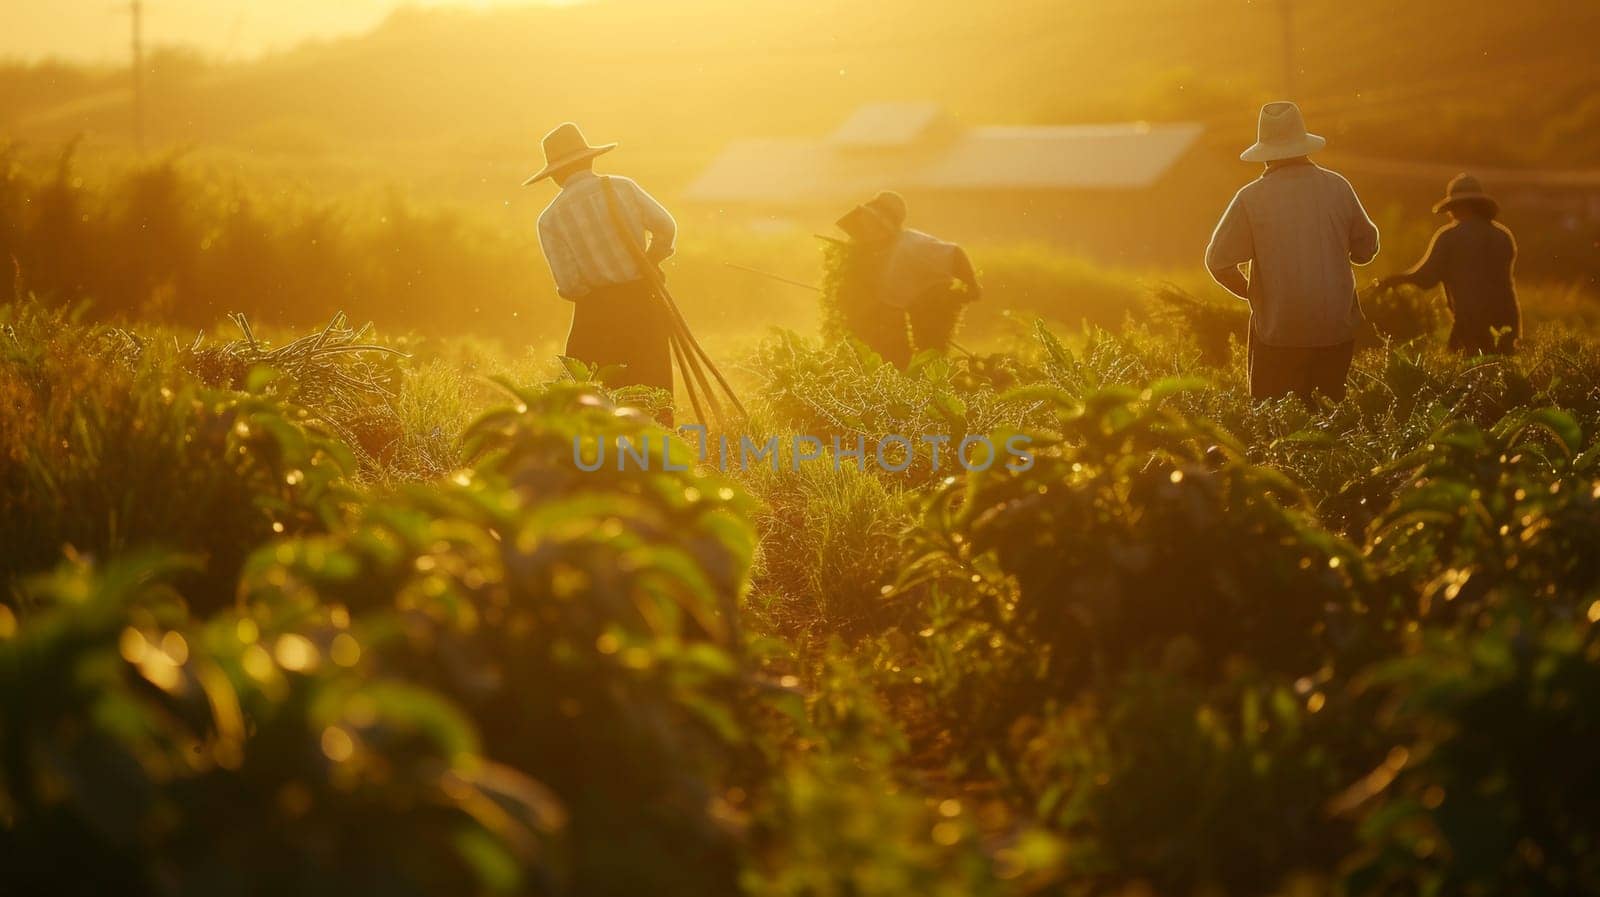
{"x": 335, "y": 612}
{"x": 296, "y": 604}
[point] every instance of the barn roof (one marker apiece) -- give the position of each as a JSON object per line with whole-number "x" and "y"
{"x": 1083, "y": 157}
{"x": 911, "y": 152}
{"x": 883, "y": 125}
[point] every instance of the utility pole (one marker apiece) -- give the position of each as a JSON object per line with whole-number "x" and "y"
{"x": 137, "y": 8}
{"x": 1286, "y": 10}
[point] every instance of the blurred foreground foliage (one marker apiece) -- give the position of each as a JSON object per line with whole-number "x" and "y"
{"x": 1198, "y": 645}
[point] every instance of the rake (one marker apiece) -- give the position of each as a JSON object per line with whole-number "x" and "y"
{"x": 691, "y": 357}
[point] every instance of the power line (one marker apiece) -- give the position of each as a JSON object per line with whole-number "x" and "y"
{"x": 136, "y": 8}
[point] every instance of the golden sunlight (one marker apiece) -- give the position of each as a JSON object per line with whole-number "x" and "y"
{"x": 799, "y": 448}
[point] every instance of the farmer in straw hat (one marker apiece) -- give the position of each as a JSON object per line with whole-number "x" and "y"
{"x": 617, "y": 319}
{"x": 1299, "y": 227}
{"x": 1473, "y": 257}
{"x": 899, "y": 276}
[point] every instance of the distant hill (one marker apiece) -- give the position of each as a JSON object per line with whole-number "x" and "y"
{"x": 1507, "y": 84}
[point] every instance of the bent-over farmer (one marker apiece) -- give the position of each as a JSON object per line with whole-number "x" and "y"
{"x": 902, "y": 277}
{"x": 617, "y": 318}
{"x": 1299, "y": 227}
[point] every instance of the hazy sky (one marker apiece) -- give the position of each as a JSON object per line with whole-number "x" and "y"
{"x": 98, "y": 29}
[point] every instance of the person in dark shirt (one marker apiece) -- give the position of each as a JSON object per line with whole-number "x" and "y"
{"x": 1473, "y": 257}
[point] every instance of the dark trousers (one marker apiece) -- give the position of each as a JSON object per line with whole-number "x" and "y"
{"x": 882, "y": 327}
{"x": 624, "y": 326}
{"x": 1277, "y": 371}
{"x": 934, "y": 317}
{"x": 1472, "y": 337}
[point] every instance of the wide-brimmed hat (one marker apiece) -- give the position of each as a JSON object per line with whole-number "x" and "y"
{"x": 1464, "y": 188}
{"x": 1281, "y": 134}
{"x": 566, "y": 146}
{"x": 878, "y": 218}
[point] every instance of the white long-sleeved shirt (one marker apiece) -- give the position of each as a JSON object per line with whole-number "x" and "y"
{"x": 1300, "y": 227}
{"x": 580, "y": 240}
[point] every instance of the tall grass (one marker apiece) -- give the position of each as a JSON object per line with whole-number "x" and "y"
{"x": 108, "y": 452}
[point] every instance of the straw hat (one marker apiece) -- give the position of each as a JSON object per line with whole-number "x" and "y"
{"x": 566, "y": 146}
{"x": 1463, "y": 188}
{"x": 1281, "y": 134}
{"x": 878, "y": 218}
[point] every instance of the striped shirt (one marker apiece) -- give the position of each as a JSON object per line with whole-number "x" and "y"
{"x": 580, "y": 240}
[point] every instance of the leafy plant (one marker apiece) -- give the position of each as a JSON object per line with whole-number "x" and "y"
{"x": 146, "y": 752}
{"x": 105, "y": 458}
{"x": 585, "y": 621}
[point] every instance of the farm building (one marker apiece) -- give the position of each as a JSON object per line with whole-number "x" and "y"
{"x": 1123, "y": 193}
